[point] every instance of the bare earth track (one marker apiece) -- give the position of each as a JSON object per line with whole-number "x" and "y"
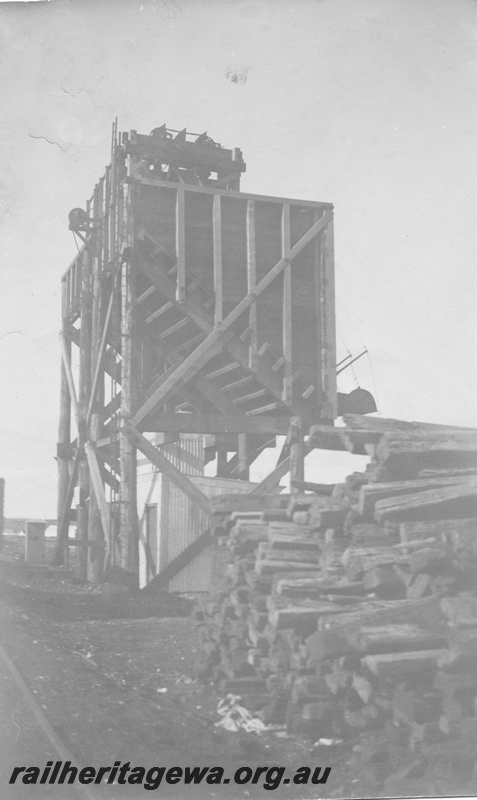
{"x": 98, "y": 664}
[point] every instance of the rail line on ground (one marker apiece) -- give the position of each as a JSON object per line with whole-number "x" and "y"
{"x": 55, "y": 740}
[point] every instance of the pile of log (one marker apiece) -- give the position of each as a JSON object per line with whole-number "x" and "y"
{"x": 351, "y": 610}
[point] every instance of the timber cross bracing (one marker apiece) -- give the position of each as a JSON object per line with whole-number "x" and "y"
{"x": 195, "y": 308}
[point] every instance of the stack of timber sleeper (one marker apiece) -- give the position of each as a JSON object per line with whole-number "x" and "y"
{"x": 353, "y": 613}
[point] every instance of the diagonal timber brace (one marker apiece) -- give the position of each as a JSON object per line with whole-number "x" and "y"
{"x": 279, "y": 267}
{"x": 325, "y": 437}
{"x": 196, "y": 312}
{"x": 69, "y": 377}
{"x": 165, "y": 466}
{"x": 99, "y": 362}
{"x": 98, "y": 488}
{"x": 110, "y": 366}
{"x": 179, "y": 562}
{"x": 275, "y": 476}
{"x": 202, "y": 388}
{"x": 288, "y": 257}
{"x": 177, "y": 376}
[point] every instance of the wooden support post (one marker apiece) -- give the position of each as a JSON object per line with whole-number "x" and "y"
{"x": 319, "y": 299}
{"x": 328, "y": 338}
{"x": 96, "y": 561}
{"x": 64, "y": 436}
{"x": 127, "y": 453}
{"x": 66, "y": 361}
{"x": 105, "y": 214}
{"x": 64, "y": 522}
{"x": 84, "y": 384}
{"x": 180, "y": 245}
{"x": 275, "y": 476}
{"x": 128, "y": 519}
{"x": 217, "y": 236}
{"x": 284, "y": 465}
{"x": 232, "y": 467}
{"x": 98, "y": 486}
{"x": 221, "y": 462}
{"x": 297, "y": 452}
{"x": 252, "y": 281}
{"x": 94, "y": 417}
{"x": 112, "y": 210}
{"x": 84, "y": 391}
{"x": 98, "y": 352}
{"x": 287, "y": 307}
{"x": 243, "y": 457}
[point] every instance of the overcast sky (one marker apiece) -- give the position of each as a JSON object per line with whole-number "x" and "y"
{"x": 368, "y": 104}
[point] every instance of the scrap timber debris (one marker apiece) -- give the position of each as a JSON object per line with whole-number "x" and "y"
{"x": 349, "y": 613}
{"x": 235, "y": 716}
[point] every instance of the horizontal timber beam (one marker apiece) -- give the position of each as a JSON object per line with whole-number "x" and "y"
{"x": 355, "y": 422}
{"x": 218, "y": 423}
{"x": 85, "y": 543}
{"x": 312, "y": 204}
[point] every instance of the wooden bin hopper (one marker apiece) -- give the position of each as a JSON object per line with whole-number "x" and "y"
{"x": 194, "y": 308}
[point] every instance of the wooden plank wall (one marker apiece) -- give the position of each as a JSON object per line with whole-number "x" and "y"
{"x": 157, "y": 209}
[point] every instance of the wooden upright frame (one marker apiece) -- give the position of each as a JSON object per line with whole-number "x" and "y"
{"x": 194, "y": 308}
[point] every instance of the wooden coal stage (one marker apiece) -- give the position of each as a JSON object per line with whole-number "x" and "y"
{"x": 348, "y": 612}
{"x": 191, "y": 307}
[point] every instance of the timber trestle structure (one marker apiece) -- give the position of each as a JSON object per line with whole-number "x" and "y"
{"x": 191, "y": 307}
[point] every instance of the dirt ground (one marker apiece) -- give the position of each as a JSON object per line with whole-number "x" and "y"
{"x": 116, "y": 675}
